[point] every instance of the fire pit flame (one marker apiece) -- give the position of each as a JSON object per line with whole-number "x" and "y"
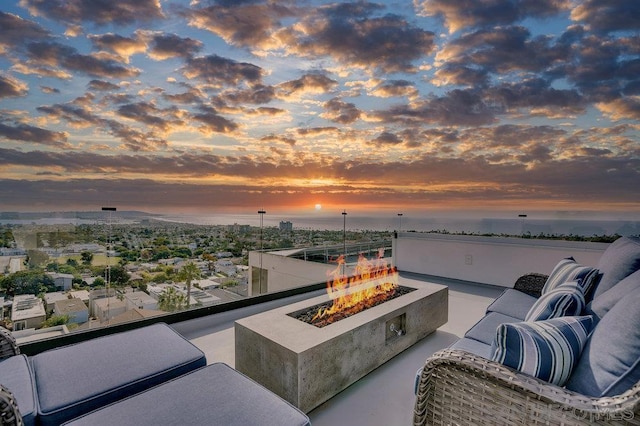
{"x": 372, "y": 282}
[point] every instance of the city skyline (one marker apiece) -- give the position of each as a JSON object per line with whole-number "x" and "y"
{"x": 314, "y": 106}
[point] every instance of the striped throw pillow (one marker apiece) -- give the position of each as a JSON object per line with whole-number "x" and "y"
{"x": 547, "y": 349}
{"x": 565, "y": 300}
{"x": 569, "y": 270}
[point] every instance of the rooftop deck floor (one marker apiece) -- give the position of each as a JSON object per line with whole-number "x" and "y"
{"x": 385, "y": 396}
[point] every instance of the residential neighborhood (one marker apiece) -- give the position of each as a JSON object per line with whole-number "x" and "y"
{"x": 71, "y": 277}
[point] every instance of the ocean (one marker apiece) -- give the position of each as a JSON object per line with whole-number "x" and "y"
{"x": 558, "y": 224}
{"x": 484, "y": 225}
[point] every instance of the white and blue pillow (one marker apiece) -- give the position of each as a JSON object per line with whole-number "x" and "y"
{"x": 569, "y": 270}
{"x": 547, "y": 349}
{"x": 565, "y": 300}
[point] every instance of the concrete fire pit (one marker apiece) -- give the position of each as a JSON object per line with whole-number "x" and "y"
{"x": 307, "y": 365}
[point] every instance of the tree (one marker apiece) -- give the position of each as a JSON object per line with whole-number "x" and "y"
{"x": 170, "y": 300}
{"x": 56, "y": 320}
{"x": 188, "y": 273}
{"x": 27, "y": 282}
{"x": 86, "y": 257}
{"x": 36, "y": 258}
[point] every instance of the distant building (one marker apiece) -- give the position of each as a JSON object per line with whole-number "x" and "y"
{"x": 80, "y": 294}
{"x": 52, "y": 297}
{"x": 135, "y": 315}
{"x": 109, "y": 307}
{"x": 76, "y": 310}
{"x": 286, "y": 226}
{"x": 140, "y": 300}
{"x": 62, "y": 281}
{"x": 27, "y": 312}
{"x": 225, "y": 266}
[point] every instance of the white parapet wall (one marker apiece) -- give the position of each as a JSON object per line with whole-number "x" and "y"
{"x": 489, "y": 260}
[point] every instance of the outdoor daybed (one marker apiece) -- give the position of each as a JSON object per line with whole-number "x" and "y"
{"x": 146, "y": 376}
{"x": 563, "y": 351}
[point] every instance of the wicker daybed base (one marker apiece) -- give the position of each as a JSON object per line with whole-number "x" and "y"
{"x": 457, "y": 387}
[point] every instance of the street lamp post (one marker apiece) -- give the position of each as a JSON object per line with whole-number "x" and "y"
{"x": 261, "y": 213}
{"x": 344, "y": 236}
{"x": 400, "y": 224}
{"x": 109, "y": 248}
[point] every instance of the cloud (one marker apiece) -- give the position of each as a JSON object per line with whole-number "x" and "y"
{"x": 620, "y": 109}
{"x": 211, "y": 121}
{"x": 121, "y": 12}
{"x": 471, "y": 13}
{"x": 52, "y": 55}
{"x": 17, "y": 31}
{"x": 244, "y": 24}
{"x": 307, "y": 84}
{"x": 37, "y": 135}
{"x": 103, "y": 86}
{"x": 608, "y": 16}
{"x": 147, "y": 113}
{"x": 341, "y": 112}
{"x": 167, "y": 46}
{"x": 124, "y": 47}
{"x": 219, "y": 71}
{"x": 392, "y": 88}
{"x": 11, "y": 87}
{"x": 349, "y": 33}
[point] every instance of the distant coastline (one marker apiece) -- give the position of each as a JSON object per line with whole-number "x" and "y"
{"x": 481, "y": 225}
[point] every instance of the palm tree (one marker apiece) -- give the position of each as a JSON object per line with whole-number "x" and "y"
{"x": 188, "y": 273}
{"x": 170, "y": 300}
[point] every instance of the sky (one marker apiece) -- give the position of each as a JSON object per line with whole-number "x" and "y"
{"x": 300, "y": 106}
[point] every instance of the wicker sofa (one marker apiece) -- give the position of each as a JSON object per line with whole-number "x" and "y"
{"x": 471, "y": 382}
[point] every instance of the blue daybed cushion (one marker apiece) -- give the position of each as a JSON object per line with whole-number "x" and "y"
{"x": 620, "y": 259}
{"x": 607, "y": 300}
{"x": 16, "y": 376}
{"x": 569, "y": 270}
{"x": 610, "y": 362}
{"x": 547, "y": 349}
{"x": 485, "y": 330}
{"x": 75, "y": 379}
{"x": 214, "y": 395}
{"x": 513, "y": 303}
{"x": 565, "y": 300}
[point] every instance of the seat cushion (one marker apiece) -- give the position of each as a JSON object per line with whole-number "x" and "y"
{"x": 565, "y": 300}
{"x": 608, "y": 299}
{"x": 475, "y": 347}
{"x": 547, "y": 349}
{"x": 513, "y": 303}
{"x": 214, "y": 395}
{"x": 610, "y": 362}
{"x": 485, "y": 330}
{"x": 620, "y": 259}
{"x": 569, "y": 270}
{"x": 17, "y": 377}
{"x": 75, "y": 379}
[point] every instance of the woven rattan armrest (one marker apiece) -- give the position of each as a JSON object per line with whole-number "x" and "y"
{"x": 531, "y": 284}
{"x": 458, "y": 387}
{"x": 8, "y": 345}
{"x": 9, "y": 412}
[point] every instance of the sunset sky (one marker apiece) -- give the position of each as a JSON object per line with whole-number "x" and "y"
{"x": 239, "y": 105}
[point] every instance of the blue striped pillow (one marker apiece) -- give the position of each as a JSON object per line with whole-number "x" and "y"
{"x": 547, "y": 349}
{"x": 565, "y": 300}
{"x": 569, "y": 270}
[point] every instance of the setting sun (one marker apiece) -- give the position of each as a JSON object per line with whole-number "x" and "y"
{"x": 318, "y": 206}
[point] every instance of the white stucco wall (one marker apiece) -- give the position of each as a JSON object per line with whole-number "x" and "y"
{"x": 490, "y": 260}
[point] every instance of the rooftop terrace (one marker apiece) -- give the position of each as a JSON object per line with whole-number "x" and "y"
{"x": 383, "y": 397}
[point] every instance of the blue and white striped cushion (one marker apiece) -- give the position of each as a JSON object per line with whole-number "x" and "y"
{"x": 569, "y": 270}
{"x": 565, "y": 300}
{"x": 547, "y": 349}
